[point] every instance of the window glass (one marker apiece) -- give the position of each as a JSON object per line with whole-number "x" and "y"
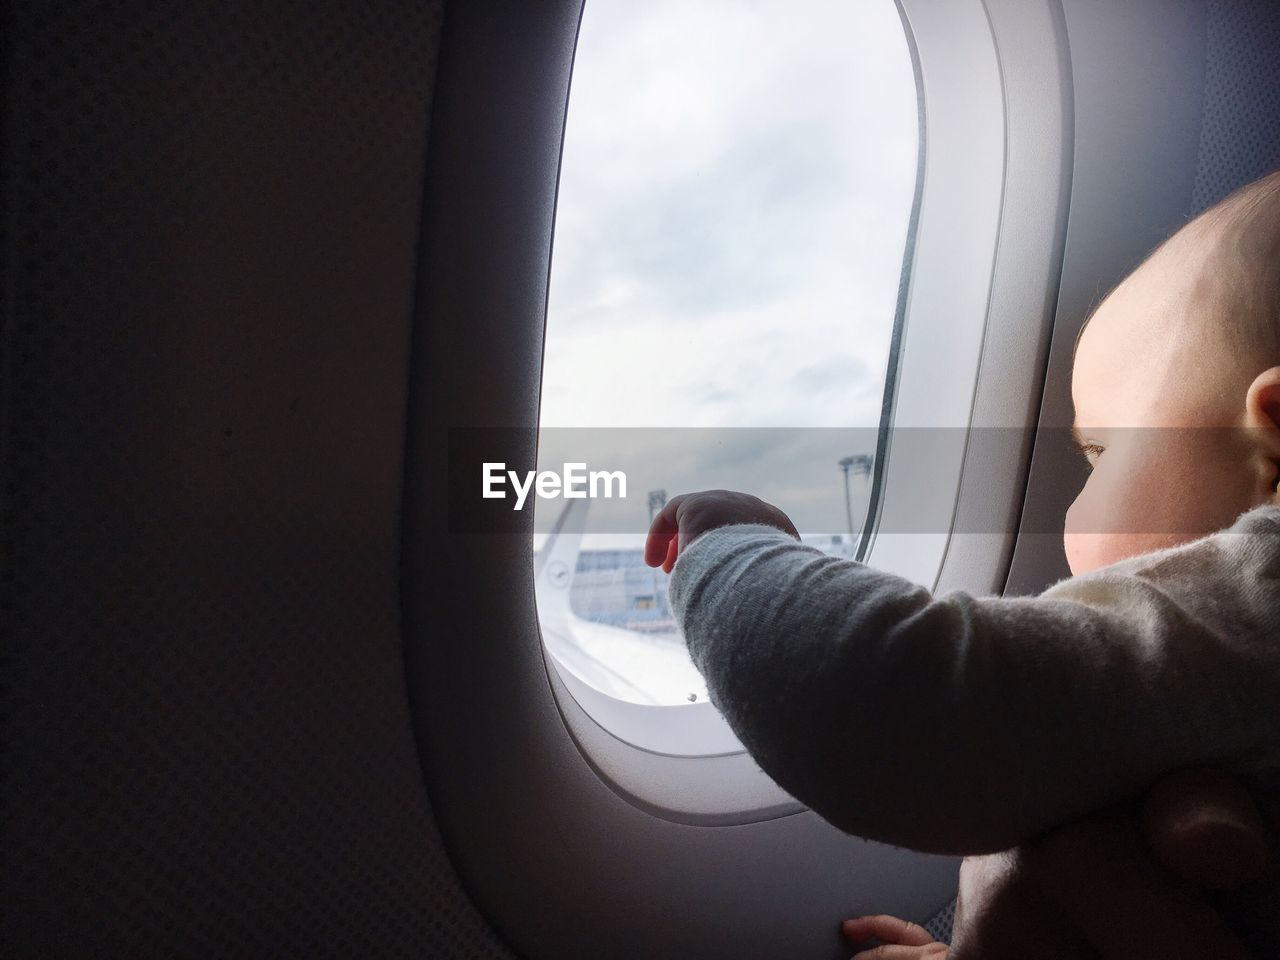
{"x": 735, "y": 193}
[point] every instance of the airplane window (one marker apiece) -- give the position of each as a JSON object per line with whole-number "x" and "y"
{"x": 735, "y": 193}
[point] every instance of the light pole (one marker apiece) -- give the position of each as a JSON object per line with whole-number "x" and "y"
{"x": 862, "y": 463}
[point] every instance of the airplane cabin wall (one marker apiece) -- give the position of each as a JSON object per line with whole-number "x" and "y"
{"x": 211, "y": 219}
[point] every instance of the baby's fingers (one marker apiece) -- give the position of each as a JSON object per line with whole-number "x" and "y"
{"x": 660, "y": 545}
{"x": 889, "y": 929}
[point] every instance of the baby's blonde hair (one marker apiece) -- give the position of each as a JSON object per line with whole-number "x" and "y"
{"x": 1239, "y": 281}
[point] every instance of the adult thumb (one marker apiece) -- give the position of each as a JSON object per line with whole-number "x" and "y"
{"x": 1205, "y": 827}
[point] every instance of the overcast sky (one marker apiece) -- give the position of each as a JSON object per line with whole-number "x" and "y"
{"x": 734, "y": 195}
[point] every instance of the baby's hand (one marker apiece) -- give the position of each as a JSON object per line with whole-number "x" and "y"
{"x": 902, "y": 940}
{"x": 689, "y": 514}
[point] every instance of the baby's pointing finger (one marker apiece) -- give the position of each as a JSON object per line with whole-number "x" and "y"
{"x": 662, "y": 533}
{"x": 657, "y": 542}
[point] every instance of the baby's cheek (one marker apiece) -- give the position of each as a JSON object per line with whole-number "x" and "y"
{"x": 1104, "y": 527}
{"x": 1084, "y": 552}
{"x": 1080, "y": 538}
{"x": 1094, "y": 534}
{"x": 1092, "y": 551}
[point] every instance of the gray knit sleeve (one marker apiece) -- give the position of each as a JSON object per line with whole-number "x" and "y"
{"x": 967, "y": 725}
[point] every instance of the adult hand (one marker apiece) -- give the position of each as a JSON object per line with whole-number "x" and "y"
{"x": 1116, "y": 885}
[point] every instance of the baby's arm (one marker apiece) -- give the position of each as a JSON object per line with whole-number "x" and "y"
{"x": 966, "y": 725}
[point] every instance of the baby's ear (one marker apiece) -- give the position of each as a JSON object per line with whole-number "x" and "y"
{"x": 1262, "y": 403}
{"x": 1262, "y": 416}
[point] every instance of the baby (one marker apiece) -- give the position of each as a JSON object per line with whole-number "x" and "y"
{"x": 968, "y": 725}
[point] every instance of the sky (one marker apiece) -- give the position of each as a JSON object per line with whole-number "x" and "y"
{"x": 735, "y": 189}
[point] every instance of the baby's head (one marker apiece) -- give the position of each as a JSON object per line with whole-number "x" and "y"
{"x": 1176, "y": 386}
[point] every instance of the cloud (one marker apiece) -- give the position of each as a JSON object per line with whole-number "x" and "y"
{"x": 735, "y": 188}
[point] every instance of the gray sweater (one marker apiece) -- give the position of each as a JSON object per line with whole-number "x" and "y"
{"x": 965, "y": 725}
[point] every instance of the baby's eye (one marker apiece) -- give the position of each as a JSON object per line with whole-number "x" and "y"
{"x": 1092, "y": 451}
